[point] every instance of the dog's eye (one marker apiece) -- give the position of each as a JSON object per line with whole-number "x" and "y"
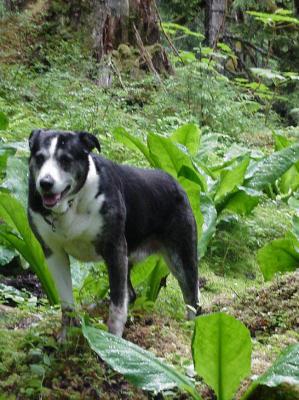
{"x": 39, "y": 159}
{"x": 65, "y": 159}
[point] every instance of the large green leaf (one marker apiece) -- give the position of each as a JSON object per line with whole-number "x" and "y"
{"x": 284, "y": 370}
{"x": 241, "y": 202}
{"x": 150, "y": 273}
{"x": 6, "y": 254}
{"x": 18, "y": 234}
{"x": 281, "y": 255}
{"x": 166, "y": 154}
{"x": 281, "y": 141}
{"x": 265, "y": 171}
{"x": 189, "y": 136}
{"x": 209, "y": 215}
{"x": 139, "y": 366}
{"x": 231, "y": 177}
{"x": 193, "y": 175}
{"x": 5, "y": 152}
{"x": 16, "y": 180}
{"x": 142, "y": 270}
{"x": 294, "y": 203}
{"x": 158, "y": 274}
{"x": 290, "y": 180}
{"x": 131, "y": 142}
{"x": 193, "y": 191}
{"x": 221, "y": 349}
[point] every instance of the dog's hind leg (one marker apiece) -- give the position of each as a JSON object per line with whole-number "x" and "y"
{"x": 131, "y": 291}
{"x": 180, "y": 253}
{"x": 185, "y": 270}
{"x": 115, "y": 257}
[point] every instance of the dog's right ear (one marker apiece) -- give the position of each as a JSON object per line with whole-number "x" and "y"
{"x": 33, "y": 135}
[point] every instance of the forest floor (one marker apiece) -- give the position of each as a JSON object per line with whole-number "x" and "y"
{"x": 33, "y": 365}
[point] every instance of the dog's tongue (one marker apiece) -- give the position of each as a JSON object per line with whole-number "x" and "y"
{"x": 51, "y": 199}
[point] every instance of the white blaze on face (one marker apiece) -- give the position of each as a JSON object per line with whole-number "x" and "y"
{"x": 49, "y": 167}
{"x": 62, "y": 180}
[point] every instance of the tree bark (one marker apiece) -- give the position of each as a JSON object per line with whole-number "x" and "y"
{"x": 214, "y": 18}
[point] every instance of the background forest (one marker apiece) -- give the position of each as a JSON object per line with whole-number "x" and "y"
{"x": 208, "y": 91}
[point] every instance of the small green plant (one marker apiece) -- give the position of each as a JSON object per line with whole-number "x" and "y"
{"x": 18, "y": 234}
{"x": 281, "y": 255}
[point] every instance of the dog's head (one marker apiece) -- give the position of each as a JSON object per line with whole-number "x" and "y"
{"x": 59, "y": 164}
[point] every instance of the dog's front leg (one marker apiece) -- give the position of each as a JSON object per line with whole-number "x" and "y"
{"x": 59, "y": 265}
{"x": 115, "y": 256}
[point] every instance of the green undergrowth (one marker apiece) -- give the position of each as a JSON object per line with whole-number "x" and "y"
{"x": 34, "y": 365}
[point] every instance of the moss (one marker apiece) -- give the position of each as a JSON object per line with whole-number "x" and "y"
{"x": 124, "y": 51}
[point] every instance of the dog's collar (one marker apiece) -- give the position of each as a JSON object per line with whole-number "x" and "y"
{"x": 53, "y": 219}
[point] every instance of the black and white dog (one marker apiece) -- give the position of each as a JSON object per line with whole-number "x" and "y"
{"x": 86, "y": 206}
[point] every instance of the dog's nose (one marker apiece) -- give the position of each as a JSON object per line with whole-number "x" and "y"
{"x": 46, "y": 183}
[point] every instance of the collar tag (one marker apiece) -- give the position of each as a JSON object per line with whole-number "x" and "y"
{"x": 53, "y": 225}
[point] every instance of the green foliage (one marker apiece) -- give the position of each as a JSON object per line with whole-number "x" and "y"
{"x": 90, "y": 282}
{"x": 281, "y": 255}
{"x": 3, "y": 121}
{"x": 18, "y": 234}
{"x": 171, "y": 28}
{"x": 16, "y": 178}
{"x": 221, "y": 349}
{"x": 209, "y": 214}
{"x": 289, "y": 182}
{"x": 280, "y": 17}
{"x": 23, "y": 298}
{"x": 235, "y": 184}
{"x": 284, "y": 370}
{"x": 270, "y": 168}
{"x": 180, "y": 10}
{"x": 138, "y": 365}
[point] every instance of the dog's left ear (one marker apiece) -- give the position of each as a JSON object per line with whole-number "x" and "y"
{"x": 89, "y": 141}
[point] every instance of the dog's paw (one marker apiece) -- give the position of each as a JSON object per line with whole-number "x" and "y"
{"x": 116, "y": 327}
{"x": 117, "y": 319}
{"x": 193, "y": 312}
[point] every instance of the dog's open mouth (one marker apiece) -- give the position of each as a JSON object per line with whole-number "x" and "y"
{"x": 51, "y": 199}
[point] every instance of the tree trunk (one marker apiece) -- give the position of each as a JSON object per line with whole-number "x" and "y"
{"x": 214, "y": 19}
{"x": 133, "y": 23}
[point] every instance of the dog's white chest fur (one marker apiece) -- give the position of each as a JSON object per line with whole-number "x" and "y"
{"x": 77, "y": 230}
